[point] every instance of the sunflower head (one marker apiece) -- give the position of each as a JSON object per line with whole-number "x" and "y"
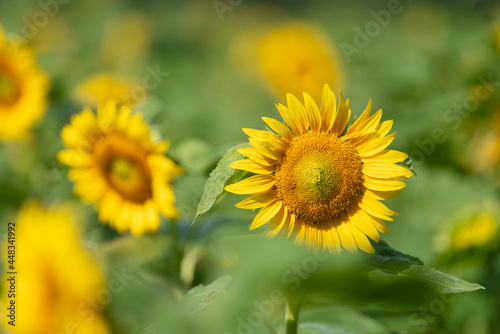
{"x": 318, "y": 179}
{"x": 117, "y": 166}
{"x": 23, "y": 90}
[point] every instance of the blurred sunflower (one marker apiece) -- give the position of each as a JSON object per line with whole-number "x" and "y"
{"x": 57, "y": 277}
{"x": 478, "y": 231}
{"x": 23, "y": 90}
{"x": 483, "y": 152}
{"x": 116, "y": 165}
{"x": 318, "y": 179}
{"x": 296, "y": 58}
{"x": 103, "y": 86}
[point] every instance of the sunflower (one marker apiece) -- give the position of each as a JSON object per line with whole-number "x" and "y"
{"x": 55, "y": 279}
{"x": 478, "y": 231}
{"x": 23, "y": 90}
{"x": 104, "y": 86}
{"x": 318, "y": 179}
{"x": 296, "y": 58}
{"x": 117, "y": 166}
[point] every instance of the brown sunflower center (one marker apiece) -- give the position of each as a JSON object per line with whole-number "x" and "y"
{"x": 9, "y": 89}
{"x": 319, "y": 177}
{"x": 124, "y": 164}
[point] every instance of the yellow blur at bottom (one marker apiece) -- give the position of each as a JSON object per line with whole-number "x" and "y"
{"x": 53, "y": 277}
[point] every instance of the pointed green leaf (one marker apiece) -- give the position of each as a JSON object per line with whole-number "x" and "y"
{"x": 218, "y": 178}
{"x": 391, "y": 266}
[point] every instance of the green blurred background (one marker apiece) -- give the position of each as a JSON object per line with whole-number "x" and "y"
{"x": 423, "y": 69}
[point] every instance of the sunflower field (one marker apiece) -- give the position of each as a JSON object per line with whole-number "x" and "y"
{"x": 249, "y": 166}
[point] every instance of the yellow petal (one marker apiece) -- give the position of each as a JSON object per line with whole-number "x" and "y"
{"x": 382, "y": 195}
{"x": 361, "y": 239}
{"x": 290, "y": 119}
{"x": 387, "y": 156}
{"x": 385, "y": 171}
{"x": 328, "y": 109}
{"x": 251, "y": 166}
{"x": 356, "y": 126}
{"x": 298, "y": 109}
{"x": 258, "y": 200}
{"x": 277, "y": 222}
{"x": 266, "y": 213}
{"x": 252, "y": 185}
{"x": 266, "y": 152}
{"x": 347, "y": 239}
{"x": 343, "y": 115}
{"x": 280, "y": 128}
{"x": 383, "y": 185}
{"x": 363, "y": 223}
{"x": 268, "y": 138}
{"x": 312, "y": 113}
{"x": 254, "y": 155}
{"x": 376, "y": 208}
{"x": 373, "y": 147}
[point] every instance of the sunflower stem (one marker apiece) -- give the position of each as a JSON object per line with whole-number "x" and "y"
{"x": 176, "y": 251}
{"x": 293, "y": 306}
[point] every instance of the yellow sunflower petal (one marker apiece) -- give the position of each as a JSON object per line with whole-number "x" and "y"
{"x": 281, "y": 129}
{"x": 252, "y": 185}
{"x": 277, "y": 222}
{"x": 387, "y": 156}
{"x": 328, "y": 109}
{"x": 258, "y": 200}
{"x": 254, "y": 155}
{"x": 290, "y": 119}
{"x": 383, "y": 185}
{"x": 347, "y": 239}
{"x": 357, "y": 125}
{"x": 386, "y": 171}
{"x": 312, "y": 113}
{"x": 251, "y": 166}
{"x": 266, "y": 213}
{"x": 298, "y": 109}
{"x": 375, "y": 146}
{"x": 361, "y": 240}
{"x": 376, "y": 208}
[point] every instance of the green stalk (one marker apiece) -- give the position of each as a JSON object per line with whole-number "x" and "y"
{"x": 293, "y": 305}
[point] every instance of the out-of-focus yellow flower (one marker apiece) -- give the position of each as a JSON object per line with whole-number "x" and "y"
{"x": 319, "y": 179}
{"x": 23, "y": 90}
{"x": 296, "y": 58}
{"x": 483, "y": 153}
{"x": 476, "y": 232}
{"x": 104, "y": 86}
{"x": 117, "y": 166}
{"x": 55, "y": 276}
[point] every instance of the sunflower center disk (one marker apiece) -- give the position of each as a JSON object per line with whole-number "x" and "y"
{"x": 9, "y": 91}
{"x": 319, "y": 177}
{"x": 124, "y": 164}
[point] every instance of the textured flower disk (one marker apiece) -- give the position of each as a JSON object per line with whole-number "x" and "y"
{"x": 116, "y": 165}
{"x": 318, "y": 180}
{"x": 23, "y": 90}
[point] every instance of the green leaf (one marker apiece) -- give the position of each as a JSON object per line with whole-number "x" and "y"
{"x": 391, "y": 266}
{"x": 338, "y": 319}
{"x": 219, "y": 177}
{"x": 202, "y": 296}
